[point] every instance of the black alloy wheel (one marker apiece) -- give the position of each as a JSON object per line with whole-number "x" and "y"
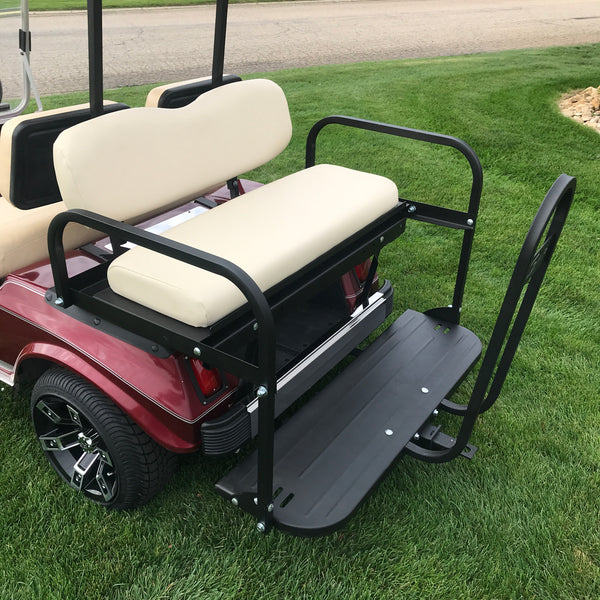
{"x": 93, "y": 445}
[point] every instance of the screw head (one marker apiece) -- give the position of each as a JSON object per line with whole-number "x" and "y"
{"x": 261, "y": 392}
{"x": 389, "y": 432}
{"x": 234, "y": 501}
{"x": 425, "y": 390}
{"x": 436, "y": 412}
{"x": 197, "y": 351}
{"x": 412, "y": 208}
{"x": 470, "y": 222}
{"x": 255, "y": 326}
{"x": 59, "y": 301}
{"x": 416, "y": 436}
{"x": 261, "y": 527}
{"x": 270, "y": 508}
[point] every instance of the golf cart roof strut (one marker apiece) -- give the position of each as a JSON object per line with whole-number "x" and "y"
{"x": 94, "y": 11}
{"x": 219, "y": 42}
{"x": 96, "y": 83}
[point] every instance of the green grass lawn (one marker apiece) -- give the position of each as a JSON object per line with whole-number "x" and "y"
{"x": 521, "y": 520}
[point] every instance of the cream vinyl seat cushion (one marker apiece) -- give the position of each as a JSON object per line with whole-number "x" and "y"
{"x": 270, "y": 233}
{"x": 153, "y": 97}
{"x": 24, "y": 233}
{"x": 137, "y": 161}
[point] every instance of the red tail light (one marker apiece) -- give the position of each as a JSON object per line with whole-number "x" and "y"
{"x": 362, "y": 270}
{"x": 209, "y": 380}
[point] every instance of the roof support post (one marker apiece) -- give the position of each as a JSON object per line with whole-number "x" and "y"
{"x": 94, "y": 12}
{"x": 219, "y": 42}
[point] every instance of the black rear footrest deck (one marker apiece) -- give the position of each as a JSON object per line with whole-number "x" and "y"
{"x": 333, "y": 451}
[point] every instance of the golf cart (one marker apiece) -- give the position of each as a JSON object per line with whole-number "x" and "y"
{"x": 9, "y": 11}
{"x": 177, "y": 308}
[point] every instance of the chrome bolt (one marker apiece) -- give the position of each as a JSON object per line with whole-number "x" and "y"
{"x": 436, "y": 412}
{"x": 412, "y": 208}
{"x": 470, "y": 222}
{"x": 270, "y": 508}
{"x": 234, "y": 501}
{"x": 425, "y": 390}
{"x": 261, "y": 392}
{"x": 261, "y": 527}
{"x": 86, "y": 443}
{"x": 59, "y": 301}
{"x": 389, "y": 432}
{"x": 255, "y": 326}
{"x": 416, "y": 436}
{"x": 381, "y": 239}
{"x": 256, "y": 501}
{"x": 197, "y": 351}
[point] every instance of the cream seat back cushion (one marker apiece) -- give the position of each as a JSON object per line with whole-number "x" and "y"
{"x": 154, "y": 94}
{"x": 23, "y": 233}
{"x": 6, "y": 141}
{"x": 133, "y": 162}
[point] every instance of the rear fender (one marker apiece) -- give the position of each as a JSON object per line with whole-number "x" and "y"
{"x": 165, "y": 428}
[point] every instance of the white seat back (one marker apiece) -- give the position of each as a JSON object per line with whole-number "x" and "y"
{"x": 23, "y": 233}
{"x": 134, "y": 162}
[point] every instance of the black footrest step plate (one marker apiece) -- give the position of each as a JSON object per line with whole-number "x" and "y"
{"x": 331, "y": 453}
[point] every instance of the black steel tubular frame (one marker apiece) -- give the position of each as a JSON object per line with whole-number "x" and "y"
{"x": 422, "y": 212}
{"x": 529, "y": 271}
{"x": 203, "y": 260}
{"x": 96, "y": 79}
{"x": 219, "y": 42}
{"x": 95, "y": 58}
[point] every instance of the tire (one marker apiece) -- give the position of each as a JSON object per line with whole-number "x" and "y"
{"x": 93, "y": 446}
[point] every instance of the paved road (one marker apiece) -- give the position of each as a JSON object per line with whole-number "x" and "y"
{"x": 170, "y": 44}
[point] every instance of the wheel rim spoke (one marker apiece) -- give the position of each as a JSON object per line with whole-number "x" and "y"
{"x": 60, "y": 442}
{"x": 106, "y": 489}
{"x": 84, "y": 471}
{"x": 49, "y": 412}
{"x": 105, "y": 456}
{"x": 74, "y": 416}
